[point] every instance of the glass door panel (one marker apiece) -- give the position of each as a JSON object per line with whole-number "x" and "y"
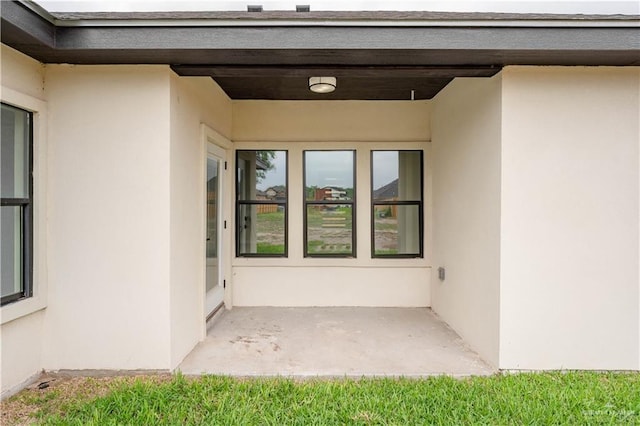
{"x": 214, "y": 285}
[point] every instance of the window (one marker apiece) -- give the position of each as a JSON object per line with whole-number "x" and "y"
{"x": 16, "y": 204}
{"x": 396, "y": 209}
{"x": 261, "y": 203}
{"x": 329, "y": 203}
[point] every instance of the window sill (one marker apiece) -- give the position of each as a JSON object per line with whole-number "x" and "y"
{"x": 21, "y": 308}
{"x": 331, "y": 262}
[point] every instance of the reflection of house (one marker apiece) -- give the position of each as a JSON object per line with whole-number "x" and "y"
{"x": 276, "y": 193}
{"x": 330, "y": 193}
{"x": 529, "y": 125}
{"x": 387, "y": 192}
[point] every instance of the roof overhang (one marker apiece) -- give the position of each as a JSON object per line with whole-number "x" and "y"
{"x": 375, "y": 55}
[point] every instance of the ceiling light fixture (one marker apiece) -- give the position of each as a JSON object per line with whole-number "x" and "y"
{"x": 322, "y": 84}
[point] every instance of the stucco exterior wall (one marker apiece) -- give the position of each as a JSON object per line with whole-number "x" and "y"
{"x": 21, "y": 73}
{"x": 570, "y": 213}
{"x": 21, "y": 351}
{"x": 125, "y": 223}
{"x": 466, "y": 143}
{"x": 109, "y": 218}
{"x": 349, "y": 121}
{"x": 21, "y": 332}
{"x": 193, "y": 101}
{"x": 363, "y": 126}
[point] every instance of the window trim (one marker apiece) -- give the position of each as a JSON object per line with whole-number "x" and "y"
{"x": 352, "y": 202}
{"x": 284, "y": 203}
{"x": 26, "y": 213}
{"x": 38, "y": 300}
{"x": 419, "y": 203}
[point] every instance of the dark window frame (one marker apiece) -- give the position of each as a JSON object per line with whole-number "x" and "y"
{"x": 26, "y": 207}
{"x": 419, "y": 203}
{"x": 352, "y": 203}
{"x": 284, "y": 203}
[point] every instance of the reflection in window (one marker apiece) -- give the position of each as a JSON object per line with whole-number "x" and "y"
{"x": 329, "y": 203}
{"x": 213, "y": 179}
{"x": 16, "y": 204}
{"x": 261, "y": 197}
{"x": 329, "y": 229}
{"x": 264, "y": 224}
{"x": 397, "y": 203}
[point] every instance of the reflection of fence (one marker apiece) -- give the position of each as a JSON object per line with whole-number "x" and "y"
{"x": 266, "y": 208}
{"x": 386, "y": 211}
{"x": 211, "y": 212}
{"x": 212, "y": 205}
{"x": 334, "y": 222}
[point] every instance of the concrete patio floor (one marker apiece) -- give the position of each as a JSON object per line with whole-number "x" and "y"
{"x": 332, "y": 342}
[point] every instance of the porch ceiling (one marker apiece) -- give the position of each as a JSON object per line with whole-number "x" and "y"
{"x": 374, "y": 55}
{"x": 354, "y": 82}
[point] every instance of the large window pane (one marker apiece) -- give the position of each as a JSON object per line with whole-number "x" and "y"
{"x": 329, "y": 175}
{"x": 329, "y": 186}
{"x": 262, "y": 175}
{"x": 330, "y": 229}
{"x": 14, "y": 154}
{"x": 261, "y": 194}
{"x": 396, "y": 194}
{"x": 397, "y": 175}
{"x": 396, "y": 229}
{"x": 15, "y": 210}
{"x": 262, "y": 229}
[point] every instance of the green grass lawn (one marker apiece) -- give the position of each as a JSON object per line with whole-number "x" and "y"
{"x": 269, "y": 229}
{"x": 270, "y": 233}
{"x": 266, "y": 248}
{"x": 573, "y": 398}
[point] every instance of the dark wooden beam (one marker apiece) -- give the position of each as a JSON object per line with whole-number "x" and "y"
{"x": 221, "y": 71}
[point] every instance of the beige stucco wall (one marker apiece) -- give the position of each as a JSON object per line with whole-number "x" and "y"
{"x": 360, "y": 125}
{"x": 124, "y": 184}
{"x": 21, "y": 73}
{"x": 194, "y": 100}
{"x": 547, "y": 160}
{"x": 109, "y": 218}
{"x": 570, "y": 213}
{"x": 308, "y": 121}
{"x": 21, "y": 332}
{"x": 466, "y": 126}
{"x": 21, "y": 359}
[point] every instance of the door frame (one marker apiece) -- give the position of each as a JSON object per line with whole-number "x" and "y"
{"x": 217, "y": 144}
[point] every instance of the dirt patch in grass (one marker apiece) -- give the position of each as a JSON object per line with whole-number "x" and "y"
{"x": 55, "y": 393}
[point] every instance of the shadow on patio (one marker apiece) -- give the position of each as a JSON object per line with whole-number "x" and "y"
{"x": 306, "y": 342}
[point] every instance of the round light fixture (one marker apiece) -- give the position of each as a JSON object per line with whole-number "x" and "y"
{"x": 322, "y": 84}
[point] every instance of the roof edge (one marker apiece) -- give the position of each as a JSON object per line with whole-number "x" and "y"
{"x": 329, "y": 18}
{"x": 39, "y": 10}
